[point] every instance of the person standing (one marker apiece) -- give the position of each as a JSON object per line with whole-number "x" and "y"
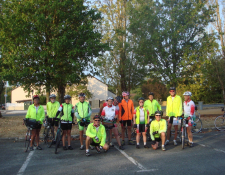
{"x": 36, "y": 112}
{"x": 126, "y": 108}
{"x": 83, "y": 113}
{"x": 173, "y": 111}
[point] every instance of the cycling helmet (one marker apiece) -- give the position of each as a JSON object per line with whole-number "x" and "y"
{"x": 150, "y": 93}
{"x": 125, "y": 93}
{"x": 97, "y": 116}
{"x": 52, "y": 96}
{"x": 188, "y": 93}
{"x": 109, "y": 98}
{"x": 158, "y": 113}
{"x": 81, "y": 95}
{"x": 36, "y": 96}
{"x": 67, "y": 97}
{"x": 119, "y": 99}
{"x": 172, "y": 88}
{"x": 141, "y": 98}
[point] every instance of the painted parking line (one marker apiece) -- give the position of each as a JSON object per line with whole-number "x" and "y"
{"x": 24, "y": 166}
{"x": 140, "y": 166}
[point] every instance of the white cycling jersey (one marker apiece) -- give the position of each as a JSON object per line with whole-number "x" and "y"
{"x": 109, "y": 112}
{"x": 189, "y": 108}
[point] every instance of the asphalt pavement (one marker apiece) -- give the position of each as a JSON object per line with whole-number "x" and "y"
{"x": 206, "y": 157}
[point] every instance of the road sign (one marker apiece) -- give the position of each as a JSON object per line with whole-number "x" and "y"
{"x": 5, "y": 95}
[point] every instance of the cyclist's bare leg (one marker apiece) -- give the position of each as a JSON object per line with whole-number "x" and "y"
{"x": 106, "y": 146}
{"x": 37, "y": 136}
{"x": 88, "y": 139}
{"x": 69, "y": 137}
{"x": 123, "y": 132}
{"x": 163, "y": 137}
{"x": 168, "y": 131}
{"x": 176, "y": 129}
{"x": 64, "y": 137}
{"x": 190, "y": 136}
{"x": 33, "y": 135}
{"x": 115, "y": 131}
{"x": 129, "y": 132}
{"x": 81, "y": 137}
{"x": 144, "y": 137}
{"x": 138, "y": 138}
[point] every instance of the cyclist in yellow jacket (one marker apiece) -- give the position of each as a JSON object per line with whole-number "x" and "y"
{"x": 52, "y": 108}
{"x": 36, "y": 112}
{"x": 96, "y": 136}
{"x": 152, "y": 105}
{"x": 173, "y": 110}
{"x": 158, "y": 131}
{"x": 141, "y": 120}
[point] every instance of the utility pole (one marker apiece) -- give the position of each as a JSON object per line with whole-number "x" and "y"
{"x": 5, "y": 96}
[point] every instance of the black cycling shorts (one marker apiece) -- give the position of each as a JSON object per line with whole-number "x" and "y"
{"x": 158, "y": 139}
{"x": 53, "y": 121}
{"x": 38, "y": 126}
{"x": 92, "y": 143}
{"x": 140, "y": 128}
{"x": 66, "y": 126}
{"x": 126, "y": 122}
{"x": 171, "y": 120}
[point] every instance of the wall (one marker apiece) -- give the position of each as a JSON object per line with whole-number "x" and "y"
{"x": 15, "y": 106}
{"x": 110, "y": 94}
{"x": 99, "y": 89}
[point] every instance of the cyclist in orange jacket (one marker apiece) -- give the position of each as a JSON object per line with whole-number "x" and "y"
{"x": 126, "y": 108}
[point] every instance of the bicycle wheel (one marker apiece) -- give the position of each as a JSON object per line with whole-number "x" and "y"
{"x": 45, "y": 135}
{"x": 197, "y": 126}
{"x": 183, "y": 136}
{"x": 58, "y": 137}
{"x": 220, "y": 123}
{"x": 197, "y": 114}
{"x": 49, "y": 137}
{"x": 27, "y": 139}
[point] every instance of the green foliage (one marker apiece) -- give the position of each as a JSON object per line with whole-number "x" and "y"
{"x": 120, "y": 68}
{"x": 49, "y": 43}
{"x": 42, "y": 100}
{"x": 171, "y": 37}
{"x": 74, "y": 90}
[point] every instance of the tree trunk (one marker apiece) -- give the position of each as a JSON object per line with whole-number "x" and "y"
{"x": 47, "y": 93}
{"x": 61, "y": 93}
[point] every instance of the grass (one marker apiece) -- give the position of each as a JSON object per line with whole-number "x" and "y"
{"x": 12, "y": 127}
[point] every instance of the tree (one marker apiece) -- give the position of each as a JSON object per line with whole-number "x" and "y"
{"x": 171, "y": 37}
{"x": 1, "y": 89}
{"x": 48, "y": 43}
{"x": 120, "y": 68}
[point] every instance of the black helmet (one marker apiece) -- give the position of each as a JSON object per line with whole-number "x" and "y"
{"x": 81, "y": 95}
{"x": 67, "y": 97}
{"x": 158, "y": 112}
{"x": 141, "y": 98}
{"x": 150, "y": 93}
{"x": 97, "y": 117}
{"x": 173, "y": 88}
{"x": 119, "y": 99}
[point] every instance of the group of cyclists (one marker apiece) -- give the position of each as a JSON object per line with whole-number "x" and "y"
{"x": 145, "y": 119}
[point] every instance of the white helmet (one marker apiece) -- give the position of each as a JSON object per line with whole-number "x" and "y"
{"x": 109, "y": 98}
{"x": 188, "y": 93}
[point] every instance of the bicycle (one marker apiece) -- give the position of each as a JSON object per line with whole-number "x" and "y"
{"x": 48, "y": 133}
{"x": 197, "y": 123}
{"x": 58, "y": 137}
{"x": 220, "y": 121}
{"x": 183, "y": 131}
{"x": 30, "y": 124}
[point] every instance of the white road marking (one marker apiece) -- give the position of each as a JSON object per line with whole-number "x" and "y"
{"x": 140, "y": 166}
{"x": 202, "y": 145}
{"x": 219, "y": 150}
{"x": 24, "y": 166}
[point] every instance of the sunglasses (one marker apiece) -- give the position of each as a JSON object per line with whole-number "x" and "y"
{"x": 97, "y": 120}
{"x": 141, "y": 102}
{"x": 157, "y": 115}
{"x": 172, "y": 91}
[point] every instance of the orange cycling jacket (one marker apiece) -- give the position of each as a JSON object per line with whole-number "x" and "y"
{"x": 126, "y": 110}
